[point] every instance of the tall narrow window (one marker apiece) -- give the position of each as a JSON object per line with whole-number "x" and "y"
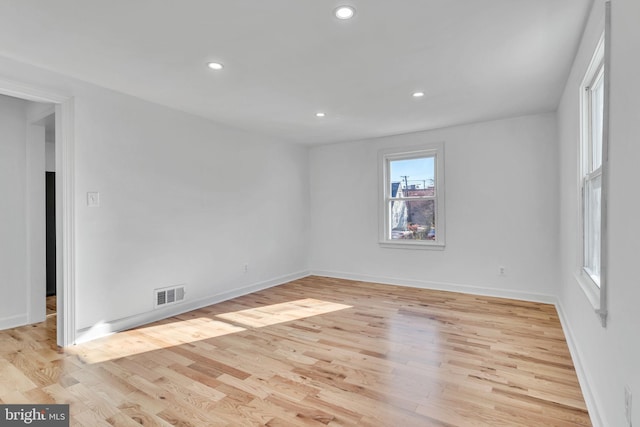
{"x": 594, "y": 142}
{"x": 412, "y": 197}
{"x": 593, "y": 114}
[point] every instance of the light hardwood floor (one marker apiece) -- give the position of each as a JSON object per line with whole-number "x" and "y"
{"x": 51, "y": 305}
{"x": 316, "y": 351}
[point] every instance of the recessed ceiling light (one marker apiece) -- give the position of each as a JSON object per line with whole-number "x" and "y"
{"x": 418, "y": 94}
{"x": 320, "y": 114}
{"x": 344, "y": 12}
{"x": 215, "y": 65}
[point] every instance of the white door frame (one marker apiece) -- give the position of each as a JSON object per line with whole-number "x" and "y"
{"x": 65, "y": 219}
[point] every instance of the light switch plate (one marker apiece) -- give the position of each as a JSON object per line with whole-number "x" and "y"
{"x": 93, "y": 199}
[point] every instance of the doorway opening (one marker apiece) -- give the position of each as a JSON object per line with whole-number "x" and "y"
{"x": 50, "y": 213}
{"x": 41, "y": 183}
{"x": 62, "y": 111}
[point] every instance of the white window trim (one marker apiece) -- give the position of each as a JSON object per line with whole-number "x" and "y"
{"x": 595, "y": 293}
{"x": 384, "y": 157}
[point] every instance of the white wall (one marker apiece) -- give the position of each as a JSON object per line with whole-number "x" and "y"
{"x": 22, "y": 216}
{"x": 183, "y": 201}
{"x": 36, "y": 220}
{"x": 501, "y": 210}
{"x": 50, "y": 156}
{"x": 608, "y": 357}
{"x": 13, "y": 231}
{"x": 36, "y": 209}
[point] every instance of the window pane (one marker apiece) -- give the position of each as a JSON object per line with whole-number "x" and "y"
{"x": 412, "y": 177}
{"x": 412, "y": 219}
{"x": 597, "y": 117}
{"x": 592, "y": 211}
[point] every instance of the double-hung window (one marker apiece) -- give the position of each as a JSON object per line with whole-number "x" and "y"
{"x": 593, "y": 179}
{"x": 592, "y": 133}
{"x": 412, "y": 197}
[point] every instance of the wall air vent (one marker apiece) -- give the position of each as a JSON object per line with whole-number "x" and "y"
{"x": 167, "y": 296}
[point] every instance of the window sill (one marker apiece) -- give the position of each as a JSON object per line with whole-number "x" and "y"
{"x": 592, "y": 292}
{"x": 412, "y": 245}
{"x": 589, "y": 288}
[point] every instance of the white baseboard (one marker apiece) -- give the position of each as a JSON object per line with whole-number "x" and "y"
{"x": 107, "y": 328}
{"x": 583, "y": 377}
{"x": 441, "y": 286}
{"x": 14, "y": 321}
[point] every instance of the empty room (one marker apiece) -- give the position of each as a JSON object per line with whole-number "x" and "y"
{"x": 308, "y": 213}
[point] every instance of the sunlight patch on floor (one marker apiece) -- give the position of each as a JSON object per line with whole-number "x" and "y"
{"x": 171, "y": 333}
{"x": 283, "y": 312}
{"x": 153, "y": 337}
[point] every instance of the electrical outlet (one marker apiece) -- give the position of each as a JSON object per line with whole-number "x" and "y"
{"x": 627, "y": 404}
{"x": 502, "y": 270}
{"x": 246, "y": 267}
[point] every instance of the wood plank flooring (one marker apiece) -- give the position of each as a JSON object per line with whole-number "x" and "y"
{"x": 313, "y": 352}
{"x": 51, "y": 305}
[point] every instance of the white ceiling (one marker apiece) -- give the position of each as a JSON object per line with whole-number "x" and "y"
{"x": 287, "y": 59}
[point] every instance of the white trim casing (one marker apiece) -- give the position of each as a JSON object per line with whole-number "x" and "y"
{"x": 604, "y": 220}
{"x": 596, "y": 292}
{"x": 65, "y": 221}
{"x": 385, "y": 156}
